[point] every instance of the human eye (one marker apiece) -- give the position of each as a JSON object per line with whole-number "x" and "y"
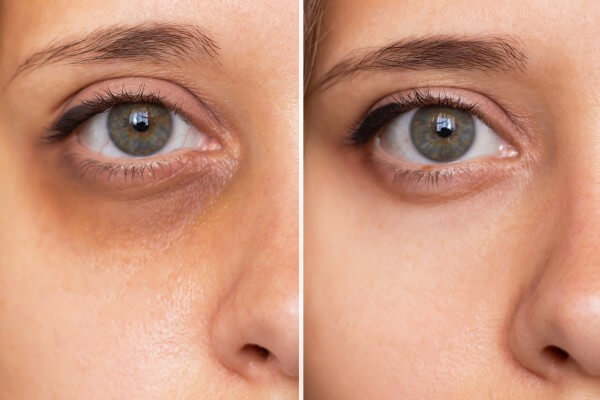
{"x": 426, "y": 141}
{"x": 120, "y": 135}
{"x": 141, "y": 129}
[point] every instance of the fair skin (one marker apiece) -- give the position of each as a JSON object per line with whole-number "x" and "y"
{"x": 477, "y": 286}
{"x": 178, "y": 282}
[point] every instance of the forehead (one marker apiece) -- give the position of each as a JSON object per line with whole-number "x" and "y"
{"x": 356, "y": 24}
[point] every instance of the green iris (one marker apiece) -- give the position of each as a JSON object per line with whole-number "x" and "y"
{"x": 139, "y": 129}
{"x": 442, "y": 133}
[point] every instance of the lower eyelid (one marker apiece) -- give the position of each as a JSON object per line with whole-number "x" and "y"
{"x": 435, "y": 183}
{"x": 141, "y": 178}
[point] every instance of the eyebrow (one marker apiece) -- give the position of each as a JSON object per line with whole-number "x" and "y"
{"x": 492, "y": 53}
{"x": 143, "y": 42}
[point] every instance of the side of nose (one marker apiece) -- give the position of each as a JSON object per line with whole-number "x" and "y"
{"x": 255, "y": 332}
{"x": 556, "y": 325}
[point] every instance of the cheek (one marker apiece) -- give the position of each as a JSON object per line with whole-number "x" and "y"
{"x": 379, "y": 271}
{"x": 95, "y": 319}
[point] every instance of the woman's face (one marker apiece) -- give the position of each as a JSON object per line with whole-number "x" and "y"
{"x": 431, "y": 274}
{"x": 131, "y": 268}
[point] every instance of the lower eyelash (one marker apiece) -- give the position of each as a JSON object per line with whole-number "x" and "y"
{"x": 429, "y": 178}
{"x": 446, "y": 181}
{"x": 130, "y": 173}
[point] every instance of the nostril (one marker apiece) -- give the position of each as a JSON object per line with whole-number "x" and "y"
{"x": 255, "y": 351}
{"x": 556, "y": 353}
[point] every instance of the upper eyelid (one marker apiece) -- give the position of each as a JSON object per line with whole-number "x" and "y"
{"x": 134, "y": 89}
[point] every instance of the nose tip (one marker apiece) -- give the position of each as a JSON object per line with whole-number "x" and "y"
{"x": 258, "y": 338}
{"x": 555, "y": 334}
{"x": 577, "y": 333}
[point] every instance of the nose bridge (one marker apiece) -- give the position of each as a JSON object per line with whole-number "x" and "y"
{"x": 578, "y": 241}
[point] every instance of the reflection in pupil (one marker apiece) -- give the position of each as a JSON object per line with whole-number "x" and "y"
{"x": 139, "y": 121}
{"x": 444, "y": 125}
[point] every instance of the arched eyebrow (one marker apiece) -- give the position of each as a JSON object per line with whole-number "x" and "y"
{"x": 143, "y": 42}
{"x": 489, "y": 53}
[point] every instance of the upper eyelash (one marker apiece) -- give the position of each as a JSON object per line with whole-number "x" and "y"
{"x": 102, "y": 101}
{"x": 402, "y": 102}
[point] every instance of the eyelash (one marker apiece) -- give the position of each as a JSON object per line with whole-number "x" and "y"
{"x": 402, "y": 102}
{"x": 431, "y": 178}
{"x": 101, "y": 102}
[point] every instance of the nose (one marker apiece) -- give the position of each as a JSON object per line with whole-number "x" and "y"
{"x": 556, "y": 328}
{"x": 254, "y": 330}
{"x": 255, "y": 333}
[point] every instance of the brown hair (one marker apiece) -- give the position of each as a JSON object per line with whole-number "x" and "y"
{"x": 313, "y": 15}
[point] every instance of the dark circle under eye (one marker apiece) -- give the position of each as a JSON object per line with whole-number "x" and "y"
{"x": 442, "y": 133}
{"x": 139, "y": 129}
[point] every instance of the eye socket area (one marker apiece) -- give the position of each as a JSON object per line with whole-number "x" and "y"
{"x": 138, "y": 137}
{"x": 462, "y": 142}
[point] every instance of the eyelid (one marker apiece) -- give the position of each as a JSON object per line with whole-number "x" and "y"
{"x": 100, "y": 96}
{"x": 448, "y": 182}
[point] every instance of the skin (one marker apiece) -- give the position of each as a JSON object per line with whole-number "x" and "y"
{"x": 432, "y": 296}
{"x": 106, "y": 296}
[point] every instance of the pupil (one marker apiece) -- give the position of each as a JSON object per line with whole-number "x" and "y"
{"x": 444, "y": 126}
{"x": 139, "y": 121}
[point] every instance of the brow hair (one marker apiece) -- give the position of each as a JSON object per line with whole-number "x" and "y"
{"x": 491, "y": 53}
{"x": 146, "y": 41}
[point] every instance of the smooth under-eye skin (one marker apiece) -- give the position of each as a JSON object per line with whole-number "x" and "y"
{"x": 163, "y": 275}
{"x": 462, "y": 280}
